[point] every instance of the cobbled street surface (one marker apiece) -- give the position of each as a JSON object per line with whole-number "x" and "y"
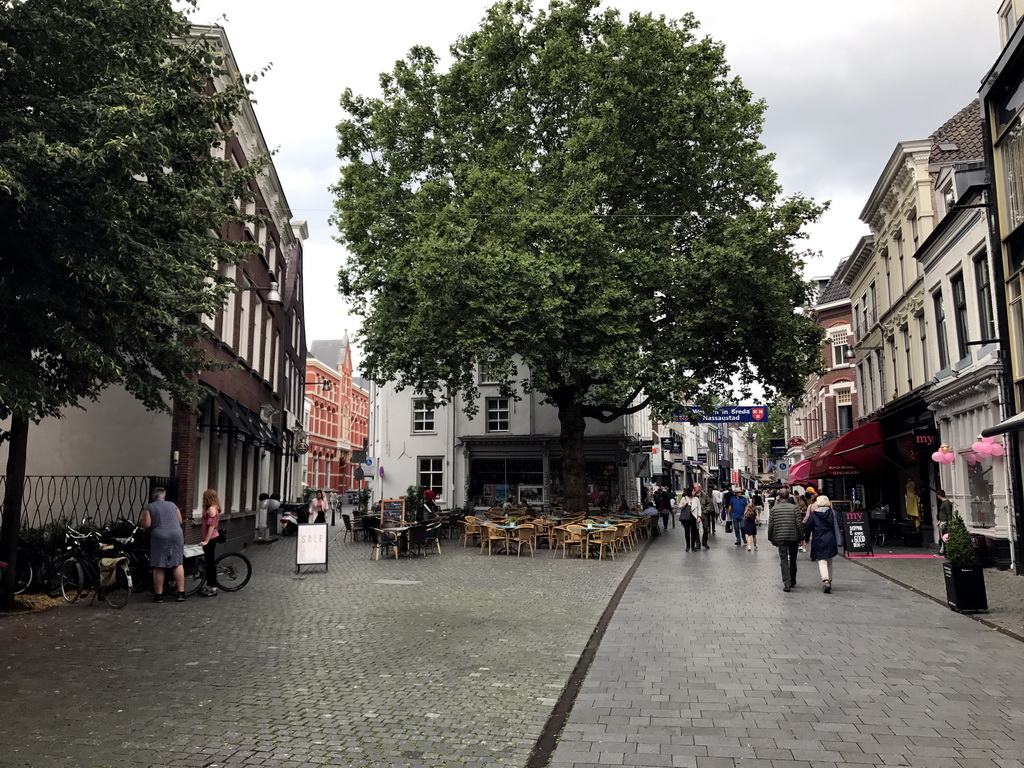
{"x": 707, "y": 663}
{"x": 461, "y": 668}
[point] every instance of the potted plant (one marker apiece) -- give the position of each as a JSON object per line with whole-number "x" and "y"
{"x": 965, "y": 578}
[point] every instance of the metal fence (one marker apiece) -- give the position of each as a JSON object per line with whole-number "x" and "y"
{"x": 52, "y": 499}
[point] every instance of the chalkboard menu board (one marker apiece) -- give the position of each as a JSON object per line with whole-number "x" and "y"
{"x": 392, "y": 511}
{"x": 856, "y": 525}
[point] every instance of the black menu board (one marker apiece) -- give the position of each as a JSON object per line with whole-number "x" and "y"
{"x": 392, "y": 511}
{"x": 856, "y": 524}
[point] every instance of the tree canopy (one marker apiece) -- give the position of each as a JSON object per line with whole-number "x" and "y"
{"x": 583, "y": 193}
{"x": 112, "y": 195}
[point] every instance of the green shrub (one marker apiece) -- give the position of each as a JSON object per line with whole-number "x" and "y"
{"x": 959, "y": 548}
{"x": 414, "y": 502}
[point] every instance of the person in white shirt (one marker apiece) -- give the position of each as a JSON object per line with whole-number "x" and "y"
{"x": 717, "y": 499}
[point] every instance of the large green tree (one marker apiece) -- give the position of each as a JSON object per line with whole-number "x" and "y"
{"x": 109, "y": 195}
{"x": 580, "y": 193}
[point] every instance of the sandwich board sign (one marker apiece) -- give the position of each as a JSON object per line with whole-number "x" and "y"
{"x": 311, "y": 545}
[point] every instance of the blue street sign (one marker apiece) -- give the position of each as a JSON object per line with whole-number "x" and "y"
{"x": 369, "y": 462}
{"x": 729, "y": 413}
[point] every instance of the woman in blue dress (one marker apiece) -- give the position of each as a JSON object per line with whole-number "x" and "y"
{"x": 166, "y": 543}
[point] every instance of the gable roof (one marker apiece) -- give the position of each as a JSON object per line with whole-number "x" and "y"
{"x": 960, "y": 138}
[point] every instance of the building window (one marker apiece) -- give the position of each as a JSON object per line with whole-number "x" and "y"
{"x": 922, "y": 333}
{"x": 844, "y": 410}
{"x": 1017, "y": 328}
{"x": 940, "y": 330}
{"x": 490, "y": 373}
{"x": 983, "y": 280}
{"x": 497, "y": 414}
{"x": 898, "y": 241}
{"x": 871, "y": 309}
{"x": 431, "y": 474}
{"x": 915, "y": 233}
{"x": 840, "y": 348}
{"x": 1011, "y": 150}
{"x": 907, "y": 360}
{"x": 422, "y": 416}
{"x": 960, "y": 313}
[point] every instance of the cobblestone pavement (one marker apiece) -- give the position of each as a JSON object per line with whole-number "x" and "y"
{"x": 451, "y": 660}
{"x": 707, "y": 663}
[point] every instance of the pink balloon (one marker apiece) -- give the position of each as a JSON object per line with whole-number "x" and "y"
{"x": 945, "y": 537}
{"x": 997, "y": 449}
{"x": 988, "y": 439}
{"x": 982, "y": 449}
{"x": 937, "y": 456}
{"x": 971, "y": 459}
{"x": 949, "y": 458}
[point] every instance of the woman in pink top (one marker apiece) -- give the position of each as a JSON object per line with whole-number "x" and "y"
{"x": 211, "y": 519}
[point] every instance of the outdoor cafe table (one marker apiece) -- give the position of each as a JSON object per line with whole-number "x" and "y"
{"x": 591, "y": 529}
{"x": 401, "y": 535}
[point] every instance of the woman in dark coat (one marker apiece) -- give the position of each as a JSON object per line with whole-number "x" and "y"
{"x": 823, "y": 526}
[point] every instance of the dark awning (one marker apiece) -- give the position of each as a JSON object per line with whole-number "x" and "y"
{"x": 1012, "y": 424}
{"x": 851, "y": 454}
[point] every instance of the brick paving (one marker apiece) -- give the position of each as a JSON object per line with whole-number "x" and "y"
{"x": 707, "y": 663}
{"x": 337, "y": 668}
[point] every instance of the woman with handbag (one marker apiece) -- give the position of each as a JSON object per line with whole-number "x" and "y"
{"x": 823, "y": 525}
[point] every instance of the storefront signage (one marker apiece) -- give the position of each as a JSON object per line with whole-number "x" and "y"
{"x": 796, "y": 442}
{"x": 856, "y": 528}
{"x": 311, "y": 545}
{"x": 728, "y": 413}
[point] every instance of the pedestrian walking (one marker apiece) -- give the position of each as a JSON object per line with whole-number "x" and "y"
{"x": 166, "y": 543}
{"x": 208, "y": 540}
{"x": 807, "y": 506}
{"x": 823, "y": 526}
{"x": 737, "y": 507}
{"x": 318, "y": 507}
{"x": 716, "y": 501}
{"x": 672, "y": 508}
{"x": 751, "y": 517}
{"x": 662, "y": 500}
{"x": 687, "y": 520}
{"x": 943, "y": 515}
{"x": 699, "y": 508}
{"x": 785, "y": 531}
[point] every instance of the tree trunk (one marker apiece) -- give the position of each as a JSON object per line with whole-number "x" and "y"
{"x": 17, "y": 457}
{"x": 574, "y": 465}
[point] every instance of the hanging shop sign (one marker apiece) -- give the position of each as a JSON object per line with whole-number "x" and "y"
{"x": 729, "y": 413}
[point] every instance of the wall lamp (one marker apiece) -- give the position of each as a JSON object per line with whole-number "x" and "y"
{"x": 982, "y": 342}
{"x": 273, "y": 293}
{"x": 851, "y": 352}
{"x": 325, "y": 385}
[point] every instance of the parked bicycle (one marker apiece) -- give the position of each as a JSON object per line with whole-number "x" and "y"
{"x": 233, "y": 568}
{"x": 24, "y": 572}
{"x": 95, "y": 564}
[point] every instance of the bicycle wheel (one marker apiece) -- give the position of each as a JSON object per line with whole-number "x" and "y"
{"x": 233, "y": 571}
{"x": 195, "y": 575}
{"x": 22, "y": 574}
{"x": 72, "y": 580}
{"x": 117, "y": 594}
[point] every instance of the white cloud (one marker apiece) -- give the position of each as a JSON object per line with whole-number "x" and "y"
{"x": 844, "y": 82}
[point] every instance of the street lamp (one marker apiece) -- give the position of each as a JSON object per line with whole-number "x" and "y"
{"x": 324, "y": 385}
{"x": 273, "y": 296}
{"x": 851, "y": 352}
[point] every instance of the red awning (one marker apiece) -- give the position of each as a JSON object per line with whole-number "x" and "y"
{"x": 798, "y": 472}
{"x": 858, "y": 451}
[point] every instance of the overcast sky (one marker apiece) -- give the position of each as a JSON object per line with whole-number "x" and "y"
{"x": 844, "y": 82}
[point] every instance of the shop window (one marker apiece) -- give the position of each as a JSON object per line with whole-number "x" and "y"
{"x": 983, "y": 281}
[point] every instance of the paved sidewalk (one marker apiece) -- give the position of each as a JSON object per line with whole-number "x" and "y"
{"x": 707, "y": 663}
{"x": 1005, "y": 590}
{"x": 451, "y": 661}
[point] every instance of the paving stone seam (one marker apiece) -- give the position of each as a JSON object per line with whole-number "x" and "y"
{"x": 547, "y": 742}
{"x": 1008, "y": 632}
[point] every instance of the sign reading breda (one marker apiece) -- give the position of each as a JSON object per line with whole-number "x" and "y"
{"x": 727, "y": 413}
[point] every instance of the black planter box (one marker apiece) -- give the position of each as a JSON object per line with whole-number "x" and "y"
{"x": 965, "y": 588}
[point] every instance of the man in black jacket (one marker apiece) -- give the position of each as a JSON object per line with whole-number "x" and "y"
{"x": 785, "y": 530}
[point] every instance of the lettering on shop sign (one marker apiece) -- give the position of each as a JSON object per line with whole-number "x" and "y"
{"x": 311, "y": 545}
{"x": 856, "y": 528}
